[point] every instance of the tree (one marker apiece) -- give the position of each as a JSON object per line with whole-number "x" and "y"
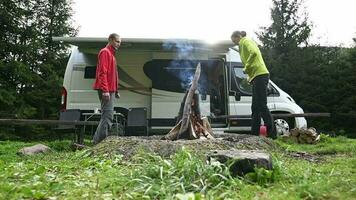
{"x": 282, "y": 40}
{"x": 294, "y": 66}
{"x": 290, "y": 27}
{"x": 289, "y": 30}
{"x": 319, "y": 78}
{"x": 343, "y": 105}
{"x": 31, "y": 64}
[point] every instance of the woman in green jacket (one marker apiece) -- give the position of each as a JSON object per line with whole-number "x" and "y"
{"x": 258, "y": 76}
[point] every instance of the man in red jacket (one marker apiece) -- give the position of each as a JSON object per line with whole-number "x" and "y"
{"x": 106, "y": 83}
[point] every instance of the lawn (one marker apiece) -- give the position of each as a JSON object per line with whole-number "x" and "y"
{"x": 65, "y": 174}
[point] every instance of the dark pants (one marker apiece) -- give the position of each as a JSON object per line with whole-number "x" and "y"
{"x": 259, "y": 106}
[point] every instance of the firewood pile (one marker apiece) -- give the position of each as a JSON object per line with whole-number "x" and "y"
{"x": 304, "y": 135}
{"x": 190, "y": 124}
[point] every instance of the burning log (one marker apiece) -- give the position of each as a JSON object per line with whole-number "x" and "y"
{"x": 190, "y": 124}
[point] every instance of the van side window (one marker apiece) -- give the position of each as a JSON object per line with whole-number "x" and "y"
{"x": 246, "y": 88}
{"x": 242, "y": 82}
{"x": 272, "y": 91}
{"x": 89, "y": 72}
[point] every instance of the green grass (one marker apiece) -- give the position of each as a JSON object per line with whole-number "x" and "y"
{"x": 327, "y": 145}
{"x": 63, "y": 174}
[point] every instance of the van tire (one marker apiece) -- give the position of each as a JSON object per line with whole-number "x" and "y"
{"x": 283, "y": 124}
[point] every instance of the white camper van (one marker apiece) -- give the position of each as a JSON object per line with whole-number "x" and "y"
{"x": 155, "y": 74}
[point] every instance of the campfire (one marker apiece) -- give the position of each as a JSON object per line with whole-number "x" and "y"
{"x": 190, "y": 124}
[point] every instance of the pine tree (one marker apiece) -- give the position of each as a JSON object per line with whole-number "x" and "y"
{"x": 290, "y": 27}
{"x": 32, "y": 64}
{"x": 282, "y": 42}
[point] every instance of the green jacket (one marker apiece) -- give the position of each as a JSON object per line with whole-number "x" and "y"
{"x": 252, "y": 58}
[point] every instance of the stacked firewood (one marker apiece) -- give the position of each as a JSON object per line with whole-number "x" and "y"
{"x": 190, "y": 124}
{"x": 304, "y": 135}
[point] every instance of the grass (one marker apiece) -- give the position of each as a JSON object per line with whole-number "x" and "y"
{"x": 63, "y": 174}
{"x": 327, "y": 146}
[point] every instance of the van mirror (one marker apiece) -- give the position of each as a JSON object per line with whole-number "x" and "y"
{"x": 237, "y": 95}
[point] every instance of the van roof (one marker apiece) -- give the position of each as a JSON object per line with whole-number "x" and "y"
{"x": 147, "y": 43}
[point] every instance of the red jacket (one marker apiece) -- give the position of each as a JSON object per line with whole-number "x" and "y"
{"x": 106, "y": 78}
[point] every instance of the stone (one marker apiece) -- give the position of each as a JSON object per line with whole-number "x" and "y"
{"x": 241, "y": 162}
{"x": 35, "y": 149}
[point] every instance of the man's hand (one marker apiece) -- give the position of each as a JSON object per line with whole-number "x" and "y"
{"x": 106, "y": 96}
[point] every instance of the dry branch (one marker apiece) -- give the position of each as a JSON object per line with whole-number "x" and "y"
{"x": 188, "y": 102}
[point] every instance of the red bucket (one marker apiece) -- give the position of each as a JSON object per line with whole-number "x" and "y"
{"x": 263, "y": 131}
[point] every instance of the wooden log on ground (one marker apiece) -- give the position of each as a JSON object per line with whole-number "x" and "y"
{"x": 172, "y": 135}
{"x": 304, "y": 136}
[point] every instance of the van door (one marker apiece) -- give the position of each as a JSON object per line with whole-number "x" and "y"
{"x": 217, "y": 94}
{"x": 242, "y": 106}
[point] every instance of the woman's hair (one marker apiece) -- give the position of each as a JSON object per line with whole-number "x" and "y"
{"x": 238, "y": 34}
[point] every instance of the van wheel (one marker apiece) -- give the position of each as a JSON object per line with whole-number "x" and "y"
{"x": 281, "y": 126}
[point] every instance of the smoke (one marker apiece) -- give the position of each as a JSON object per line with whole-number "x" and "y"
{"x": 184, "y": 48}
{"x": 184, "y": 64}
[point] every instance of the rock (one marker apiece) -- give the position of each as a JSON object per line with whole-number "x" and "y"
{"x": 241, "y": 162}
{"x": 35, "y": 149}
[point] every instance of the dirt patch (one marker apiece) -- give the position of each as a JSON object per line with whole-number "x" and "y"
{"x": 306, "y": 156}
{"x": 129, "y": 146}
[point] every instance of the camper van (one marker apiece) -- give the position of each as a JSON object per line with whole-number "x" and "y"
{"x": 155, "y": 75}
